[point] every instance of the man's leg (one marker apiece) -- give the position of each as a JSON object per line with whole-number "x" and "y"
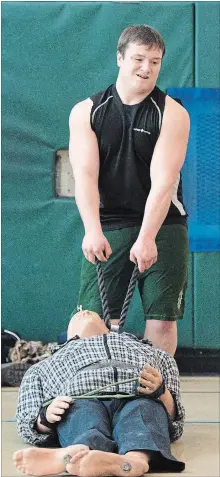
{"x": 35, "y": 461}
{"x": 99, "y": 464}
{"x": 86, "y": 422}
{"x": 85, "y": 426}
{"x": 162, "y": 287}
{"x": 163, "y": 334}
{"x": 141, "y": 426}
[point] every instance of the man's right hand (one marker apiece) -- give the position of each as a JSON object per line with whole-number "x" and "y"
{"x": 95, "y": 245}
{"x": 57, "y": 408}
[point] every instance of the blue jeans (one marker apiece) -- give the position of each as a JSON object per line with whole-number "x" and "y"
{"x": 120, "y": 425}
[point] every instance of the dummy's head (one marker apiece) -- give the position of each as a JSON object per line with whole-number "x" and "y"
{"x": 86, "y": 324}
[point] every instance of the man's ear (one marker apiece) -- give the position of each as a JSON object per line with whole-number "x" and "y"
{"x": 119, "y": 58}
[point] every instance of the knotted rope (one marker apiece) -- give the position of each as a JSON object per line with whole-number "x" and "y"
{"x": 104, "y": 301}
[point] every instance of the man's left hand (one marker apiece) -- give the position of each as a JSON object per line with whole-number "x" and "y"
{"x": 144, "y": 253}
{"x": 150, "y": 379}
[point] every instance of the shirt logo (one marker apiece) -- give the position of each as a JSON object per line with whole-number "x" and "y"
{"x": 141, "y": 130}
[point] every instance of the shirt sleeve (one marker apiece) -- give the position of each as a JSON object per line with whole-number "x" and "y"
{"x": 30, "y": 400}
{"x": 170, "y": 374}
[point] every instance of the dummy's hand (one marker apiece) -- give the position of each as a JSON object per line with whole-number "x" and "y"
{"x": 144, "y": 253}
{"x": 150, "y": 379}
{"x": 95, "y": 245}
{"x": 57, "y": 408}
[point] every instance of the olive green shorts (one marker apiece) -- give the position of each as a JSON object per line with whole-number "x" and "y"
{"x": 162, "y": 287}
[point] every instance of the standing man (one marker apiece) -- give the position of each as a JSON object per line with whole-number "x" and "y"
{"x": 127, "y": 147}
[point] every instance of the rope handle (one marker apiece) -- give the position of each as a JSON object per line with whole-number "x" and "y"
{"x": 104, "y": 300}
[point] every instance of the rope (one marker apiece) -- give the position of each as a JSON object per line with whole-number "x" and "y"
{"x": 104, "y": 301}
{"x": 92, "y": 394}
{"x": 103, "y": 295}
{"x": 129, "y": 295}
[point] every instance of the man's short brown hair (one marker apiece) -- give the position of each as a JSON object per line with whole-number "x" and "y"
{"x": 142, "y": 35}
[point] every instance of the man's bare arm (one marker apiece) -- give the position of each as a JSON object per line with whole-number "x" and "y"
{"x": 167, "y": 161}
{"x": 84, "y": 158}
{"x": 168, "y": 158}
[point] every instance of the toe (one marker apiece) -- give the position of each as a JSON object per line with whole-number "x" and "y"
{"x": 17, "y": 456}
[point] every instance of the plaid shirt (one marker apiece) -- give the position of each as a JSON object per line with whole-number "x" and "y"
{"x": 68, "y": 372}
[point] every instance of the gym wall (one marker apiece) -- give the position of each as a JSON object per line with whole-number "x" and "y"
{"x": 55, "y": 54}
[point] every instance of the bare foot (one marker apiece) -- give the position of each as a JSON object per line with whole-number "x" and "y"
{"x": 34, "y": 461}
{"x": 99, "y": 463}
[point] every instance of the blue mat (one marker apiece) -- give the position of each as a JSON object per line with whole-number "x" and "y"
{"x": 201, "y": 170}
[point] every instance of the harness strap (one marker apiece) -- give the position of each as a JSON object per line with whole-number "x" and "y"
{"x": 93, "y": 394}
{"x": 108, "y": 363}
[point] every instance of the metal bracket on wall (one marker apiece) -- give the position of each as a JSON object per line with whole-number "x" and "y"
{"x": 64, "y": 179}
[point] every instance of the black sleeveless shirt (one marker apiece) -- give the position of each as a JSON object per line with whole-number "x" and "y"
{"x": 126, "y": 136}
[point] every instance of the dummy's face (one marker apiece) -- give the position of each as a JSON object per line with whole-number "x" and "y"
{"x": 140, "y": 67}
{"x": 86, "y": 315}
{"x": 85, "y": 324}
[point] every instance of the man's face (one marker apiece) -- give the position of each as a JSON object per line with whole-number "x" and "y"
{"x": 140, "y": 66}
